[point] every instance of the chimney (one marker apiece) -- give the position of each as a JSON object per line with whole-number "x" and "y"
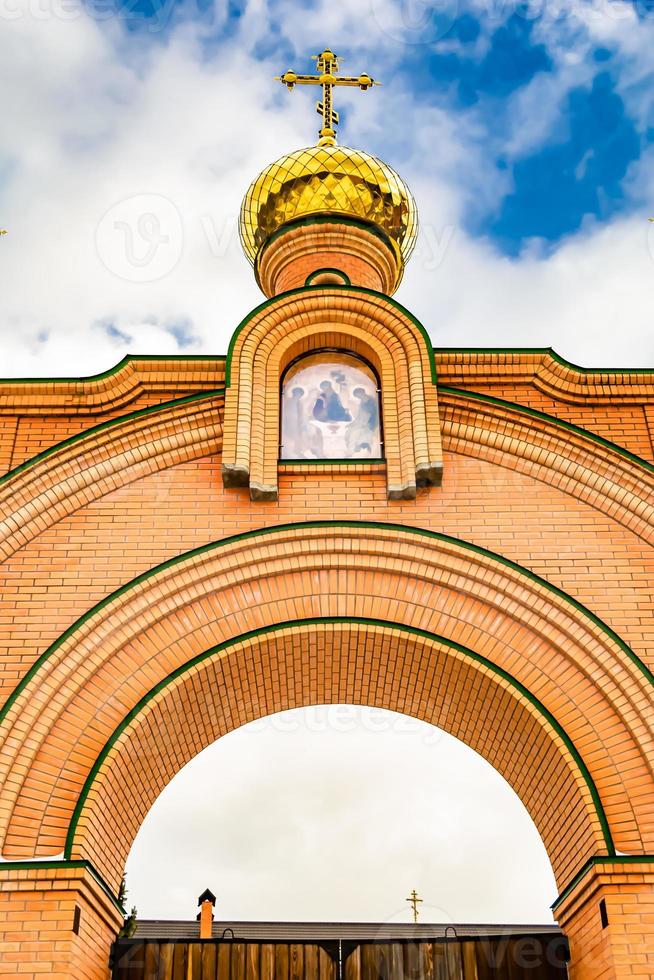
{"x": 206, "y": 901}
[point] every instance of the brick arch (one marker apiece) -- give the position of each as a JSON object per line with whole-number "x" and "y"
{"x": 81, "y": 469}
{"x": 305, "y": 320}
{"x": 564, "y": 455}
{"x": 72, "y": 473}
{"x": 418, "y": 674}
{"x": 76, "y": 695}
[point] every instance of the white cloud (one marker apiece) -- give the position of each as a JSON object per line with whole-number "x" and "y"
{"x": 336, "y": 814}
{"x": 98, "y": 118}
{"x": 590, "y": 300}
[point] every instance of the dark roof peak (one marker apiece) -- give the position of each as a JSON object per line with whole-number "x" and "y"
{"x": 207, "y": 896}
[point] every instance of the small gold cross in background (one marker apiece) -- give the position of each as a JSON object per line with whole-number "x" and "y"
{"x": 414, "y": 901}
{"x": 327, "y": 64}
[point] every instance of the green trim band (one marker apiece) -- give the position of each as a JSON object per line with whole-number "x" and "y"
{"x": 550, "y": 419}
{"x": 66, "y": 863}
{"x": 593, "y": 862}
{"x": 184, "y": 358}
{"x": 305, "y": 525}
{"x": 363, "y": 621}
{"x": 329, "y": 219}
{"x": 346, "y": 281}
{"x": 118, "y": 420}
{"x": 548, "y": 351}
{"x": 307, "y": 290}
{"x": 122, "y": 363}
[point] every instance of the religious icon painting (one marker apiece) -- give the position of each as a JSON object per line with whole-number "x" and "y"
{"x": 330, "y": 409}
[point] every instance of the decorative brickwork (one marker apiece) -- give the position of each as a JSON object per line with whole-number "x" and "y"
{"x": 385, "y": 573}
{"x": 56, "y": 921}
{"x": 290, "y": 259}
{"x": 538, "y": 656}
{"x": 222, "y": 696}
{"x": 362, "y": 322}
{"x": 165, "y": 578}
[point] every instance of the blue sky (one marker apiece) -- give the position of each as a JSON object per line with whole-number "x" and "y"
{"x": 525, "y": 130}
{"x": 480, "y": 60}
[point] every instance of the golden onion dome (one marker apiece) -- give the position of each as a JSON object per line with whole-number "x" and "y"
{"x": 328, "y": 180}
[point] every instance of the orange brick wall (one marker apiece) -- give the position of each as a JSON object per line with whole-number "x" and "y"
{"x": 622, "y": 949}
{"x": 37, "y": 909}
{"x": 54, "y": 579}
{"x": 29, "y": 435}
{"x": 36, "y": 433}
{"x": 8, "y": 430}
{"x": 27, "y": 430}
{"x": 35, "y": 416}
{"x": 583, "y": 546}
{"x": 626, "y": 425}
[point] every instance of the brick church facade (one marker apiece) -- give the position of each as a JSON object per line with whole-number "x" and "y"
{"x": 332, "y": 512}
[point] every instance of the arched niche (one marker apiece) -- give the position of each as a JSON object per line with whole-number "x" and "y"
{"x": 365, "y": 324}
{"x": 330, "y": 408}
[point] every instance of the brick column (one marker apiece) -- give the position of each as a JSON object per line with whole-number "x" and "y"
{"x": 57, "y": 920}
{"x": 608, "y": 916}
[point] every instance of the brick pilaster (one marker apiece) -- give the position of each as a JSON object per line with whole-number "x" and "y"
{"x": 608, "y": 916}
{"x": 57, "y": 920}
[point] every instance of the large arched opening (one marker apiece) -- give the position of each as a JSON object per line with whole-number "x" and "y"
{"x": 328, "y": 612}
{"x": 349, "y": 661}
{"x": 334, "y": 814}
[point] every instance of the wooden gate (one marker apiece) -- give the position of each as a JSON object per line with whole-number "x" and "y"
{"x": 523, "y": 957}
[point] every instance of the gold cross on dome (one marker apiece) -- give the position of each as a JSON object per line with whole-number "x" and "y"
{"x": 327, "y": 64}
{"x": 414, "y": 901}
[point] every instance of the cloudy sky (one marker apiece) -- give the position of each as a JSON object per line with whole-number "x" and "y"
{"x": 130, "y": 131}
{"x": 336, "y": 813}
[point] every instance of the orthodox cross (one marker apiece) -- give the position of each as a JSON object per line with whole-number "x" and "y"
{"x": 414, "y": 901}
{"x": 327, "y": 65}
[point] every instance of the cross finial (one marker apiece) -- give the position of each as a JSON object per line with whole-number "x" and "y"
{"x": 327, "y": 64}
{"x": 414, "y": 901}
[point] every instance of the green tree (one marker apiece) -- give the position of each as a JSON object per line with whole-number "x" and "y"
{"x": 129, "y": 925}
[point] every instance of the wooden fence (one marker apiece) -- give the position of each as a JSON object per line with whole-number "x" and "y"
{"x": 496, "y": 958}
